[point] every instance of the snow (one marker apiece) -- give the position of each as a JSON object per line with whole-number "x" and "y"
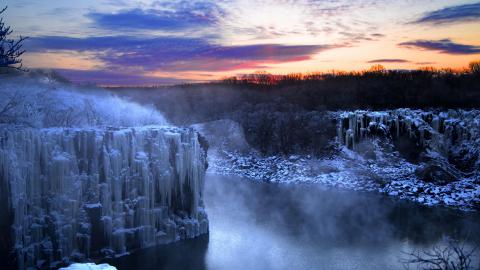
{"x": 440, "y": 135}
{"x": 75, "y": 192}
{"x": 345, "y": 172}
{"x": 46, "y": 103}
{"x": 93, "y": 205}
{"x": 89, "y": 266}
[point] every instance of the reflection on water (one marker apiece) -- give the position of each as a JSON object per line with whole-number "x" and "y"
{"x": 188, "y": 254}
{"x": 266, "y": 226}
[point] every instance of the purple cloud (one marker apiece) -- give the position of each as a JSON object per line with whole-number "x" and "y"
{"x": 176, "y": 54}
{"x": 443, "y": 45}
{"x": 460, "y": 13}
{"x": 389, "y": 61}
{"x": 141, "y": 51}
{"x": 181, "y": 16}
{"x": 101, "y": 77}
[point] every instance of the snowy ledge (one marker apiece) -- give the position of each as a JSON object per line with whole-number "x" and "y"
{"x": 431, "y": 157}
{"x": 89, "y": 266}
{"x": 349, "y": 171}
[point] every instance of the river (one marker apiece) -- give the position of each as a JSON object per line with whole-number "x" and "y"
{"x": 267, "y": 226}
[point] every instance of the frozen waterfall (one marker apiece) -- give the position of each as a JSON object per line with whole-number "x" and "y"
{"x": 69, "y": 194}
{"x": 438, "y": 130}
{"x": 449, "y": 137}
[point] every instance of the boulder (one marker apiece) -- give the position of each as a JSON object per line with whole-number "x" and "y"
{"x": 436, "y": 173}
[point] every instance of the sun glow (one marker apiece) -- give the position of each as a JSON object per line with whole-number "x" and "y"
{"x": 208, "y": 40}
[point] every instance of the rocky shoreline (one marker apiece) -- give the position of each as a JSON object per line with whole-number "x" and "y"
{"x": 341, "y": 172}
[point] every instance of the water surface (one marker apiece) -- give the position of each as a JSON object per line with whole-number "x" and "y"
{"x": 267, "y": 226}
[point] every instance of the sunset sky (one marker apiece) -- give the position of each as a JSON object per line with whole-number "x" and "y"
{"x": 143, "y": 42}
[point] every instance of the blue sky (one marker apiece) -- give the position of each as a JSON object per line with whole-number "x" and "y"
{"x": 180, "y": 41}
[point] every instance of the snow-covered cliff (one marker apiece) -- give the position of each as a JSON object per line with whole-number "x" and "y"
{"x": 76, "y": 193}
{"x": 430, "y": 157}
{"x": 439, "y": 130}
{"x": 449, "y": 137}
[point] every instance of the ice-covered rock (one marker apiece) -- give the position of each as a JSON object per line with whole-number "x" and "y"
{"x": 89, "y": 266}
{"x": 429, "y": 157}
{"x": 224, "y": 134}
{"x": 441, "y": 129}
{"x": 431, "y": 172}
{"x": 452, "y": 136}
{"x": 70, "y": 194}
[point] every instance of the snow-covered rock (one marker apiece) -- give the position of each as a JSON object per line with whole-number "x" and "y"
{"x": 89, "y": 266}
{"x": 366, "y": 156}
{"x": 449, "y": 138}
{"x": 223, "y": 134}
{"x": 445, "y": 132}
{"x": 348, "y": 170}
{"x": 75, "y": 193}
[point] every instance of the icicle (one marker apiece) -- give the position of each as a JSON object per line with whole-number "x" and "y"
{"x": 437, "y": 131}
{"x": 96, "y": 190}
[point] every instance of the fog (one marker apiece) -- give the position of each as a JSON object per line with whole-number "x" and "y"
{"x": 39, "y": 101}
{"x": 267, "y": 222}
{"x": 257, "y": 225}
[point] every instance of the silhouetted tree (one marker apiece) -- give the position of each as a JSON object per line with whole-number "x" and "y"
{"x": 10, "y": 49}
{"x": 377, "y": 69}
{"x": 475, "y": 67}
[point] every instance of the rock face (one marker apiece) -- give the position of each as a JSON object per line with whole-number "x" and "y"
{"x": 73, "y": 194}
{"x": 450, "y": 138}
{"x": 224, "y": 134}
{"x": 431, "y": 172}
{"x": 439, "y": 129}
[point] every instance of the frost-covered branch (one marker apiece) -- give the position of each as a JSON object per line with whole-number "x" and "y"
{"x": 11, "y": 50}
{"x": 10, "y": 103}
{"x": 39, "y": 103}
{"x": 453, "y": 256}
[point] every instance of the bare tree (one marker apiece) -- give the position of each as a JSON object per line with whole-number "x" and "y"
{"x": 453, "y": 256}
{"x": 93, "y": 117}
{"x": 8, "y": 106}
{"x": 475, "y": 67}
{"x": 10, "y": 49}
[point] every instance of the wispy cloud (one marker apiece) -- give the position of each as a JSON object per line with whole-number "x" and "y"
{"x": 392, "y": 60}
{"x": 160, "y": 16}
{"x": 443, "y": 45}
{"x": 182, "y": 38}
{"x": 307, "y": 20}
{"x": 138, "y": 19}
{"x": 425, "y": 63}
{"x": 102, "y": 77}
{"x": 460, "y": 13}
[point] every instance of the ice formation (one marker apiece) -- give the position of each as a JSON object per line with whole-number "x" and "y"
{"x": 365, "y": 156}
{"x": 439, "y": 131}
{"x": 449, "y": 137}
{"x": 78, "y": 193}
{"x": 89, "y": 266}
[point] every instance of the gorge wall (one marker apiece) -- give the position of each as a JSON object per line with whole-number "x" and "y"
{"x": 450, "y": 138}
{"x": 69, "y": 194}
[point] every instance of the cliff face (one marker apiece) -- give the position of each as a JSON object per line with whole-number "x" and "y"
{"x": 71, "y": 194}
{"x": 451, "y": 137}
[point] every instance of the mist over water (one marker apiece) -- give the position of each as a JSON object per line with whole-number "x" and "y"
{"x": 259, "y": 225}
{"x": 236, "y": 166}
{"x": 266, "y": 226}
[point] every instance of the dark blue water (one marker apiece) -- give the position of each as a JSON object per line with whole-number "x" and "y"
{"x": 266, "y": 226}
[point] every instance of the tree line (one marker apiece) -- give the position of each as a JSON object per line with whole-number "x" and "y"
{"x": 291, "y": 115}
